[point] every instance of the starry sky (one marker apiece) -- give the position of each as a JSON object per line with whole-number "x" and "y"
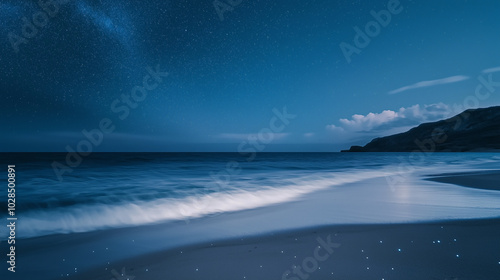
{"x": 218, "y": 71}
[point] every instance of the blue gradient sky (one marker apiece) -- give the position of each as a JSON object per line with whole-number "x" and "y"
{"x": 225, "y": 77}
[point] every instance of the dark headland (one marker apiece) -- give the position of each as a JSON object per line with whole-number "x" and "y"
{"x": 474, "y": 130}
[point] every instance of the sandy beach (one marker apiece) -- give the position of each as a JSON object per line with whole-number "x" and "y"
{"x": 441, "y": 250}
{"x": 451, "y": 250}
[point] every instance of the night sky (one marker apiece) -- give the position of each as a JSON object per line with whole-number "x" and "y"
{"x": 231, "y": 70}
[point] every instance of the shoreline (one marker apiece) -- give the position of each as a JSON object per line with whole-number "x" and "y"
{"x": 428, "y": 247}
{"x": 441, "y": 249}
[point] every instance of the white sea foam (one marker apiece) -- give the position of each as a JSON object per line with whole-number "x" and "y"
{"x": 84, "y": 218}
{"x": 372, "y": 201}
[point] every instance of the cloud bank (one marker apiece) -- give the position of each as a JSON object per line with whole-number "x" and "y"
{"x": 388, "y": 119}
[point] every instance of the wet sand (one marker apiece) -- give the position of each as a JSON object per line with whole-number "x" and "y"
{"x": 440, "y": 250}
{"x": 488, "y": 180}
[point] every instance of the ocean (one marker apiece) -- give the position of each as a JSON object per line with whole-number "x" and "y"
{"x": 120, "y": 190}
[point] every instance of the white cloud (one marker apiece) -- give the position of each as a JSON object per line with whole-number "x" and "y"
{"x": 360, "y": 122}
{"x": 389, "y": 120}
{"x": 491, "y": 70}
{"x": 449, "y": 80}
{"x": 335, "y": 128}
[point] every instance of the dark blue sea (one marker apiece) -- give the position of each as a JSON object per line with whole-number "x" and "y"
{"x": 120, "y": 190}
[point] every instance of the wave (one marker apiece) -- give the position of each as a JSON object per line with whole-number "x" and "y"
{"x": 91, "y": 217}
